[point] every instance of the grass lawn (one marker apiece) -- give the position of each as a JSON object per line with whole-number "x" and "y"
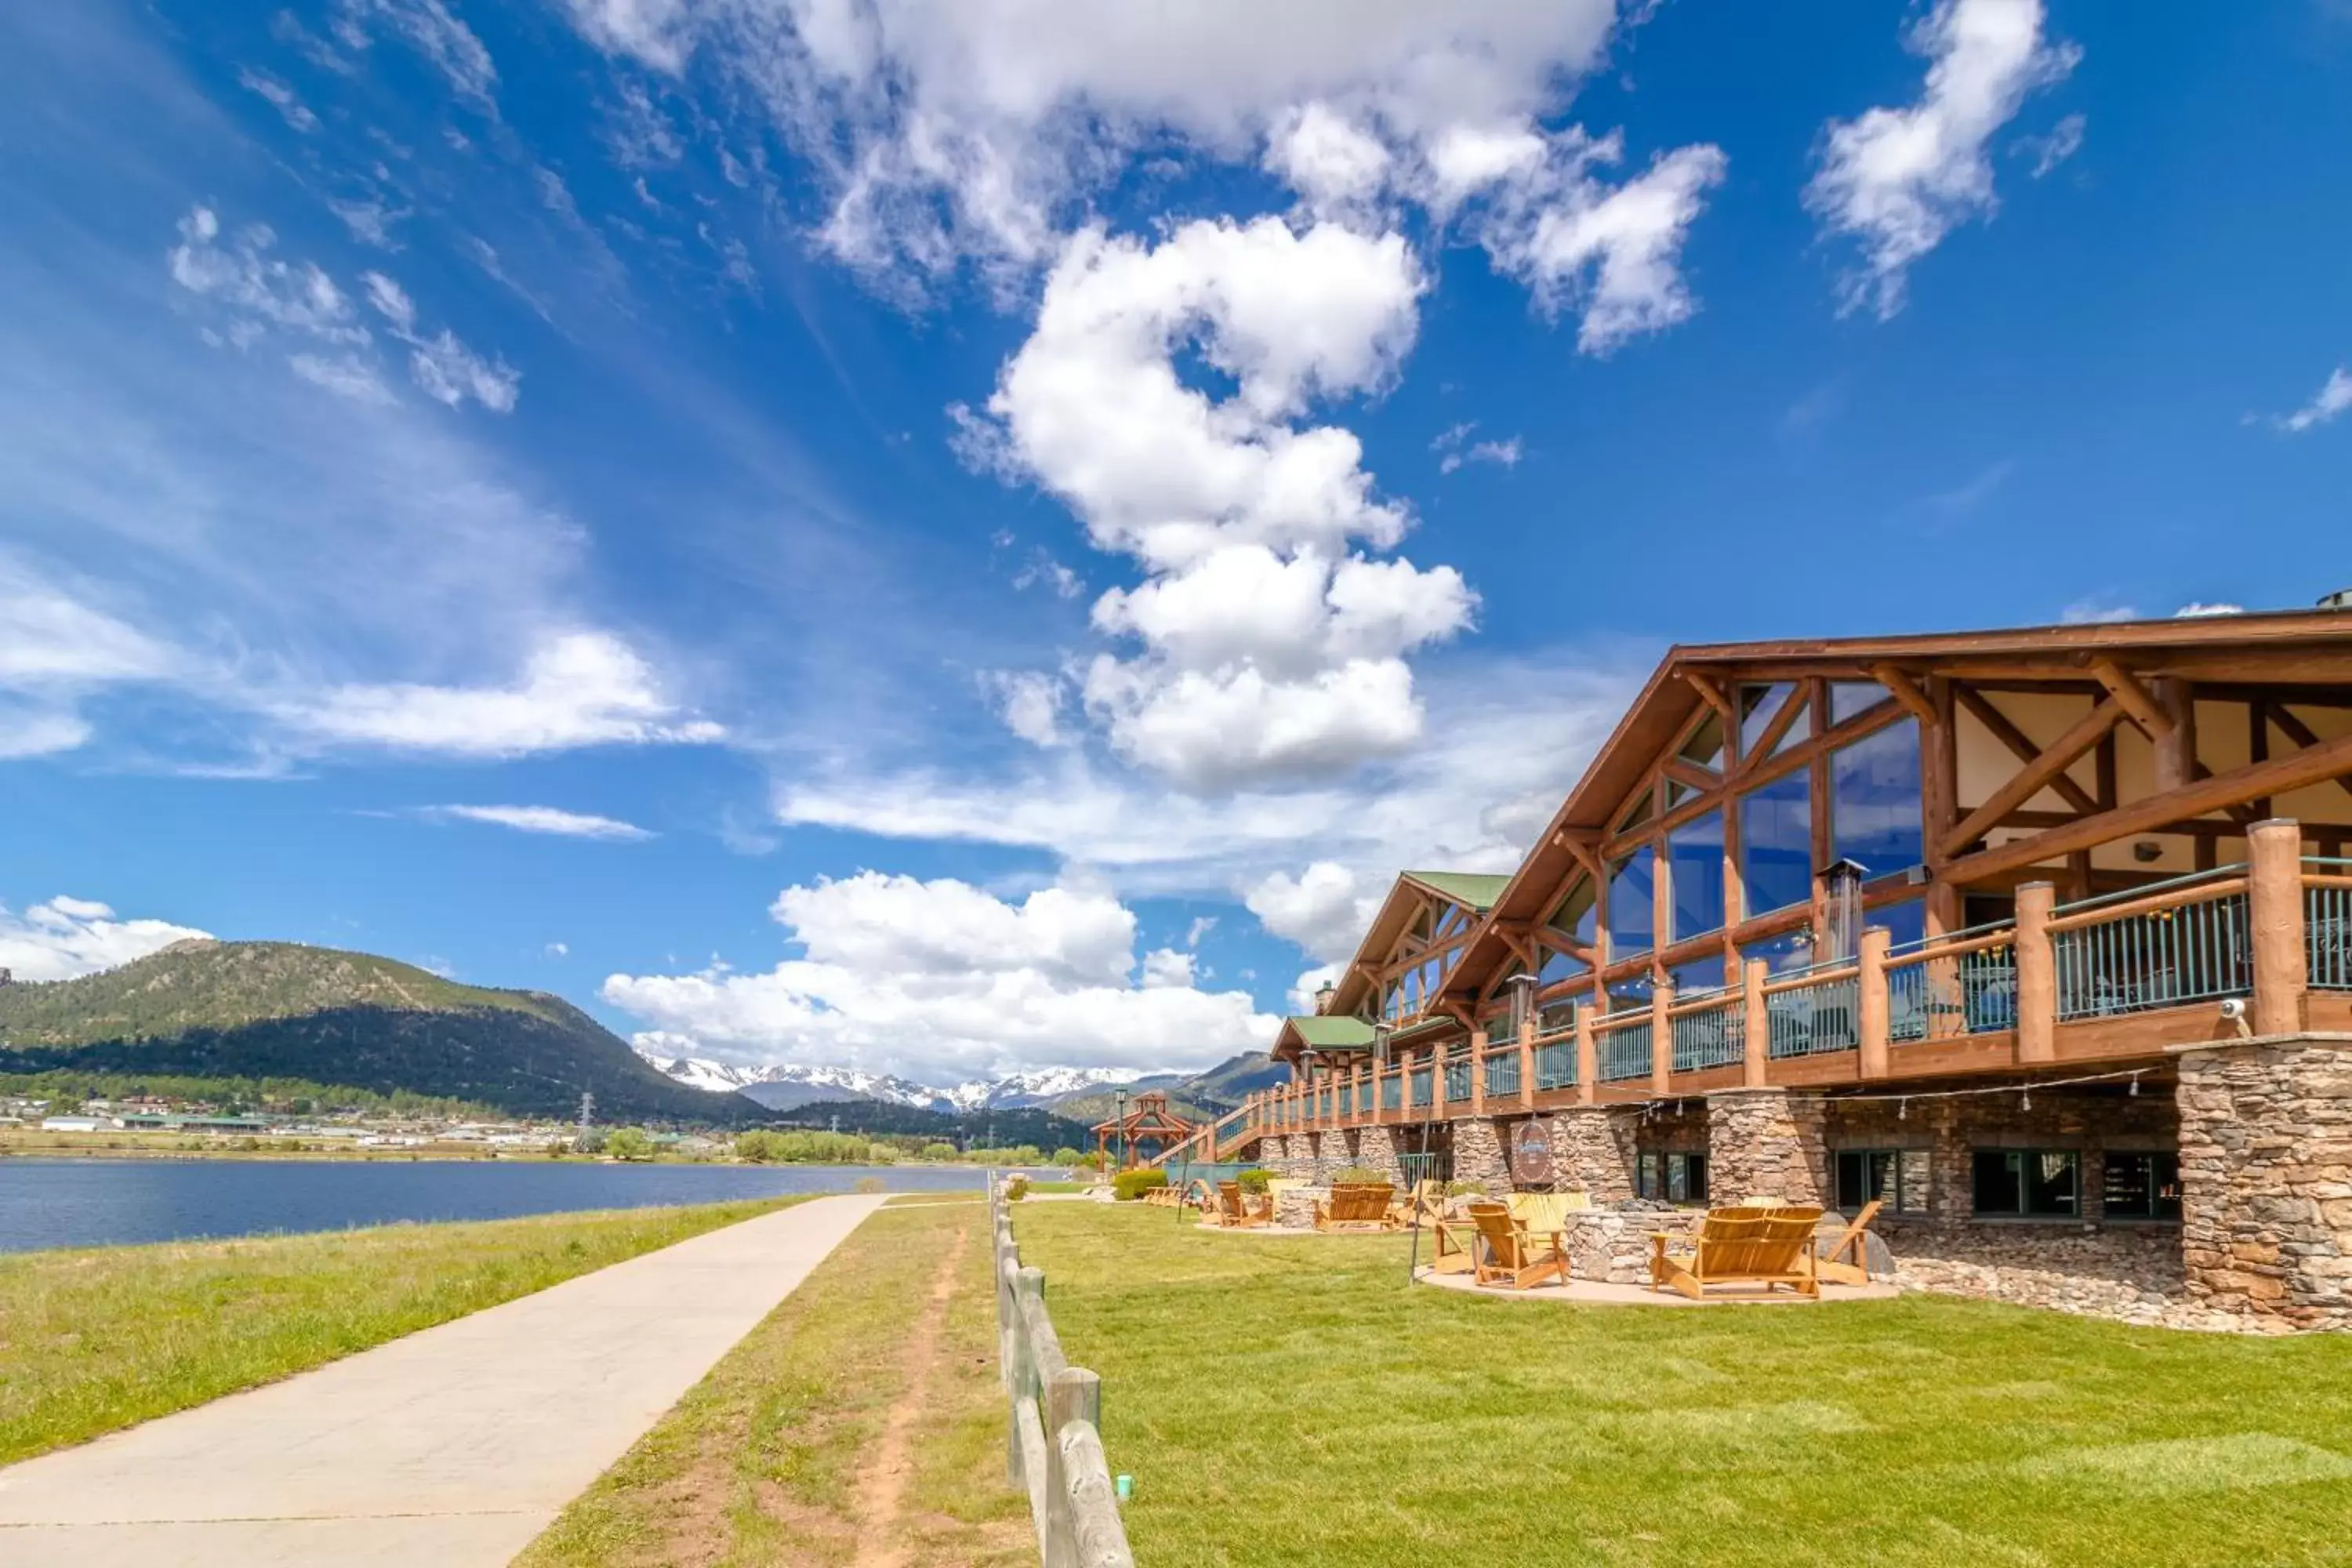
{"x": 1286, "y": 1401}
{"x": 861, "y": 1423}
{"x": 95, "y": 1340}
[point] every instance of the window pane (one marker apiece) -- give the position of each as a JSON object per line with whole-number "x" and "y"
{"x": 1705, "y": 745}
{"x": 1907, "y": 922}
{"x": 1874, "y": 801}
{"x": 1632, "y": 883}
{"x": 1848, "y": 698}
{"x": 1885, "y": 1175}
{"x": 1757, "y": 707}
{"x": 1630, "y": 994}
{"x": 1696, "y": 1166}
{"x": 1577, "y": 915}
{"x": 1695, "y": 851}
{"x": 1646, "y": 1178}
{"x": 1851, "y": 1178}
{"x": 1776, "y": 844}
{"x": 2049, "y": 1183}
{"x": 1998, "y": 1185}
{"x": 1791, "y": 950}
{"x": 2129, "y": 1193}
{"x": 1696, "y": 975}
{"x": 1559, "y": 966}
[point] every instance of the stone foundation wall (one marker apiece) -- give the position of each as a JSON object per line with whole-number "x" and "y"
{"x": 1766, "y": 1142}
{"x": 1478, "y": 1154}
{"x": 1592, "y": 1151}
{"x": 1376, "y": 1147}
{"x": 2266, "y": 1179}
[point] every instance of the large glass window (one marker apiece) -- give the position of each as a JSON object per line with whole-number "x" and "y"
{"x": 2043, "y": 1184}
{"x": 2141, "y": 1186}
{"x": 1559, "y": 966}
{"x": 1867, "y": 1175}
{"x": 1630, "y": 994}
{"x": 1789, "y": 951}
{"x": 1758, "y": 706}
{"x": 1776, "y": 844}
{"x": 1874, "y": 801}
{"x": 1697, "y": 975}
{"x": 1632, "y": 888}
{"x": 1848, "y": 698}
{"x": 1695, "y": 853}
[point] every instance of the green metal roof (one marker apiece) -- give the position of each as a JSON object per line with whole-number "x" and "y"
{"x": 1333, "y": 1034}
{"x": 1477, "y": 889}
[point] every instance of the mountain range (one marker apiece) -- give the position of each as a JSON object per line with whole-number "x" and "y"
{"x": 1085, "y": 1094}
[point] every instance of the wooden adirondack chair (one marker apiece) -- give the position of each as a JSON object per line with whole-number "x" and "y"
{"x": 1512, "y": 1254}
{"x": 1426, "y": 1203}
{"x": 1233, "y": 1211}
{"x": 1835, "y": 1265}
{"x": 1455, "y": 1248}
{"x": 1765, "y": 1246}
{"x": 1355, "y": 1207}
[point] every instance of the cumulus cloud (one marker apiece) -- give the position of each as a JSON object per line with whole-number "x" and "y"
{"x": 579, "y": 689}
{"x": 941, "y": 979}
{"x": 1324, "y": 909}
{"x": 548, "y": 819}
{"x": 67, "y": 937}
{"x": 1899, "y": 180}
{"x": 1030, "y": 703}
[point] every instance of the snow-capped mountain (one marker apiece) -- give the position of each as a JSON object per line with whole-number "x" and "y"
{"x": 785, "y": 1086}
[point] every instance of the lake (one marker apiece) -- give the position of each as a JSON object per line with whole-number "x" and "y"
{"x": 111, "y": 1202}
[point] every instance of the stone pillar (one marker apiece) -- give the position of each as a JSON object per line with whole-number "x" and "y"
{"x": 1376, "y": 1147}
{"x": 2266, "y": 1179}
{"x": 1592, "y": 1151}
{"x": 1767, "y": 1143}
{"x": 1478, "y": 1154}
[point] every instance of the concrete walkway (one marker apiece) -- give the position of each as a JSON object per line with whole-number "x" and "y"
{"x": 452, "y": 1447}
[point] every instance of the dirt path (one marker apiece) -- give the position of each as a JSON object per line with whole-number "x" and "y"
{"x": 882, "y": 1485}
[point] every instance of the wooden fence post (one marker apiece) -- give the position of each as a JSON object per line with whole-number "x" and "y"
{"x": 1871, "y": 1004}
{"x": 2037, "y": 974}
{"x": 1756, "y": 1029}
{"x": 2274, "y": 913}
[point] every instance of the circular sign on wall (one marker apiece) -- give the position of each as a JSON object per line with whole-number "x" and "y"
{"x": 1530, "y": 1156}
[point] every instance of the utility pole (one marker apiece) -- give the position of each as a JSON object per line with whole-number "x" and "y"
{"x": 587, "y": 1111}
{"x": 836, "y": 1123}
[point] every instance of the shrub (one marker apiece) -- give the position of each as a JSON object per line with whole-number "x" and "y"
{"x": 1129, "y": 1185}
{"x": 938, "y": 1150}
{"x": 881, "y": 1155}
{"x": 870, "y": 1185}
{"x": 629, "y": 1143}
{"x": 1255, "y": 1182}
{"x": 1068, "y": 1157}
{"x": 1359, "y": 1174}
{"x": 1465, "y": 1189}
{"x": 1015, "y": 1189}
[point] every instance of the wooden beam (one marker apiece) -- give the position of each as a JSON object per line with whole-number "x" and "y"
{"x": 2152, "y": 813}
{"x": 1713, "y": 696}
{"x": 2022, "y": 744}
{"x": 1907, "y": 694}
{"x": 2031, "y": 779}
{"x": 2175, "y": 748}
{"x": 1689, "y": 772}
{"x": 1586, "y": 849}
{"x": 2124, "y": 687}
{"x": 2295, "y": 730}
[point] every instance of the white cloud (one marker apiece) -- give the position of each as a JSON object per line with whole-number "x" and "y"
{"x": 2198, "y": 609}
{"x": 545, "y": 819}
{"x": 580, "y": 689}
{"x": 280, "y": 96}
{"x": 1338, "y": 167}
{"x": 369, "y": 222}
{"x": 434, "y": 31}
{"x": 1030, "y": 702}
{"x": 54, "y": 649}
{"x": 1899, "y": 180}
{"x": 2332, "y": 398}
{"x": 259, "y": 291}
{"x": 2096, "y": 611}
{"x": 1303, "y": 998}
{"x": 942, "y": 980}
{"x": 1324, "y": 910}
{"x": 447, "y": 370}
{"x": 1043, "y": 570}
{"x": 345, "y": 376}
{"x": 66, "y": 937}
{"x": 1201, "y": 927}
{"x": 2066, "y": 140}
{"x": 559, "y": 950}
{"x": 1455, "y": 448}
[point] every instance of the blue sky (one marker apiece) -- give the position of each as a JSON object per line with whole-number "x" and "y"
{"x": 953, "y": 537}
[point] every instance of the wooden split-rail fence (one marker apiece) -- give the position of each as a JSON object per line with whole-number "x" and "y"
{"x": 1053, "y": 1444}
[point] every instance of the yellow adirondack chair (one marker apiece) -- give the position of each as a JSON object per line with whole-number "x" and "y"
{"x": 1355, "y": 1207}
{"x": 1836, "y": 1265}
{"x": 1513, "y": 1255}
{"x": 1766, "y": 1246}
{"x": 1233, "y": 1211}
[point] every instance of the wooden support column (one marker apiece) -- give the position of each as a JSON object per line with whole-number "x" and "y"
{"x": 1528, "y": 1062}
{"x": 1587, "y": 1056}
{"x": 1940, "y": 786}
{"x": 1437, "y": 1082}
{"x": 1478, "y": 1070}
{"x": 2176, "y": 740}
{"x": 1757, "y": 1020}
{"x": 1359, "y": 1080}
{"x": 1873, "y": 1004}
{"x": 2037, "y": 975}
{"x": 2274, "y": 904}
{"x": 1661, "y": 1040}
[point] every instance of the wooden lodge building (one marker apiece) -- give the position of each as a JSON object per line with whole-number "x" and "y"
{"x": 2041, "y": 937}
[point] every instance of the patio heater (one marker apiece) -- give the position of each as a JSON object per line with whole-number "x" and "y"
{"x": 1523, "y": 1004}
{"x": 1323, "y": 994}
{"x": 1841, "y": 891}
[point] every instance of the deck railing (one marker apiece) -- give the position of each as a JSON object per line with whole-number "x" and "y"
{"x": 1710, "y": 1029}
{"x": 1457, "y": 1074}
{"x": 2327, "y": 921}
{"x": 1624, "y": 1050}
{"x": 1962, "y": 982}
{"x": 1053, "y": 1447}
{"x": 1420, "y": 1078}
{"x": 1809, "y": 1012}
{"x": 1556, "y": 1059}
{"x": 2186, "y": 940}
{"x": 1502, "y": 1069}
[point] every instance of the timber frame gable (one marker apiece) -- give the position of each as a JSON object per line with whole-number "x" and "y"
{"x": 1402, "y": 971}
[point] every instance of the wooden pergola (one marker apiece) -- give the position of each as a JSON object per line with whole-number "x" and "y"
{"x": 1148, "y": 1120}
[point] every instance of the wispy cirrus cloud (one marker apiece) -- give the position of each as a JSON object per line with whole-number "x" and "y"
{"x": 542, "y": 819}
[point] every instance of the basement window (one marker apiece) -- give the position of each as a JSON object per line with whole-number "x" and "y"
{"x": 1864, "y": 1174}
{"x": 2028, "y": 1184}
{"x": 2142, "y": 1186}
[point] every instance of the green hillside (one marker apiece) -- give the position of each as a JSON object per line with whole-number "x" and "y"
{"x": 255, "y": 1009}
{"x": 1203, "y": 1096}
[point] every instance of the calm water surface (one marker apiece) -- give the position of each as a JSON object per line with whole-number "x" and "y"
{"x": 107, "y": 1203}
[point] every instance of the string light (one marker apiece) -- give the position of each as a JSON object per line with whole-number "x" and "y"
{"x": 2135, "y": 1088}
{"x": 2026, "y": 1100}
{"x": 1903, "y": 1111}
